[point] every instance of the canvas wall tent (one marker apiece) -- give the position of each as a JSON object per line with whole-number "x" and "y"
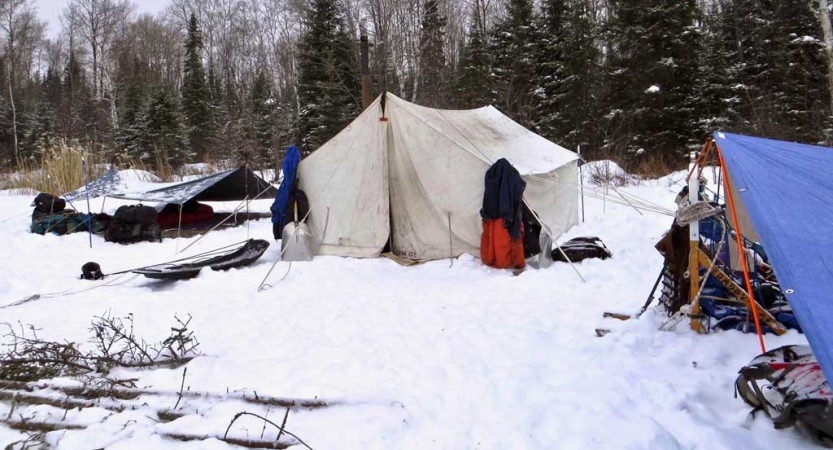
{"x": 415, "y": 175}
{"x": 782, "y": 193}
{"x": 233, "y": 184}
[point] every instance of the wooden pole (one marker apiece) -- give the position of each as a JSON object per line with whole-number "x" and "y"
{"x": 694, "y": 247}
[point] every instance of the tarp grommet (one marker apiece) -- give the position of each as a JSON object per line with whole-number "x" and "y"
{"x": 789, "y": 291}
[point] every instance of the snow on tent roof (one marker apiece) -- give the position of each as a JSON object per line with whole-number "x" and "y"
{"x": 234, "y": 184}
{"x": 786, "y": 190}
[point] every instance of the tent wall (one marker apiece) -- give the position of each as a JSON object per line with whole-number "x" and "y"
{"x": 553, "y": 197}
{"x": 346, "y": 182}
{"x": 418, "y": 177}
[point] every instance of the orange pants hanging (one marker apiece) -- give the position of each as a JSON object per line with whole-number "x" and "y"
{"x": 497, "y": 249}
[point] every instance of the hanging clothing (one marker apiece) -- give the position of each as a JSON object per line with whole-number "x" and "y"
{"x": 503, "y": 196}
{"x": 281, "y": 206}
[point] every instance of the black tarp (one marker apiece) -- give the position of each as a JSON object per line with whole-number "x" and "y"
{"x": 231, "y": 185}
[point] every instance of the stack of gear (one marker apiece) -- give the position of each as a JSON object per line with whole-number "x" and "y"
{"x": 134, "y": 223}
{"x": 723, "y": 298}
{"x": 191, "y": 211}
{"x": 501, "y": 244}
{"x": 581, "y": 248}
{"x": 798, "y": 392}
{"x": 49, "y": 216}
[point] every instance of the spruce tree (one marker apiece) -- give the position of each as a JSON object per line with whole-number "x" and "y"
{"x": 262, "y": 108}
{"x": 195, "y": 93}
{"x": 569, "y": 74}
{"x": 166, "y": 129}
{"x": 649, "y": 80}
{"x": 432, "y": 66}
{"x": 474, "y": 82}
{"x": 328, "y": 81}
{"x": 513, "y": 47}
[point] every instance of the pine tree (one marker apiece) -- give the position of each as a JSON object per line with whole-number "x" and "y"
{"x": 432, "y": 66}
{"x": 328, "y": 81}
{"x": 195, "y": 93}
{"x": 473, "y": 85}
{"x": 513, "y": 47}
{"x": 569, "y": 74}
{"x": 649, "y": 110}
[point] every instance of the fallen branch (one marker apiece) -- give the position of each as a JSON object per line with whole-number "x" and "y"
{"x": 282, "y": 430}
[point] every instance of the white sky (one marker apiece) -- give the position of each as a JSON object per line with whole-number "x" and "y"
{"x": 50, "y": 11}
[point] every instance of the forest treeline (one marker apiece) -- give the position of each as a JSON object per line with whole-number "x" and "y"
{"x": 211, "y": 80}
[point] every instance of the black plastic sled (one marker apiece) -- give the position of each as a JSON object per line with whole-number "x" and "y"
{"x": 242, "y": 256}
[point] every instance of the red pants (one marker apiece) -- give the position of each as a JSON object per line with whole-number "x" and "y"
{"x": 497, "y": 249}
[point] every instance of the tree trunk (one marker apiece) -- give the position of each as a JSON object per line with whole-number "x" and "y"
{"x": 827, "y": 32}
{"x": 14, "y": 118}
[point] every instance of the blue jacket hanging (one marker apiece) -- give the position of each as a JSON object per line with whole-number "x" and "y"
{"x": 279, "y": 206}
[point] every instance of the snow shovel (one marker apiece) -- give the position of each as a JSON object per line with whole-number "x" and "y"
{"x": 296, "y": 242}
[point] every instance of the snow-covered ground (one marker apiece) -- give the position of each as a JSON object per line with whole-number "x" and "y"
{"x": 440, "y": 356}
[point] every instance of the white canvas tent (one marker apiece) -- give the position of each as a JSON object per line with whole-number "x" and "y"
{"x": 415, "y": 175}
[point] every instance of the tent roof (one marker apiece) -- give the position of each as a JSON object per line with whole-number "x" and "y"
{"x": 490, "y": 135}
{"x": 786, "y": 189}
{"x": 234, "y": 184}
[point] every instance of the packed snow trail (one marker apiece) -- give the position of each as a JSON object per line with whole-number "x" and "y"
{"x": 429, "y": 356}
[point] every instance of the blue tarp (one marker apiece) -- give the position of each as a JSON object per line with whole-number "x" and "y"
{"x": 290, "y": 165}
{"x": 787, "y": 191}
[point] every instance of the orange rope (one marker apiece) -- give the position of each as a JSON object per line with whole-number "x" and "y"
{"x": 741, "y": 251}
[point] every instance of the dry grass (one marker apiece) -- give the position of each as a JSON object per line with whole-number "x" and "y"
{"x": 653, "y": 167}
{"x": 606, "y": 174}
{"x": 58, "y": 171}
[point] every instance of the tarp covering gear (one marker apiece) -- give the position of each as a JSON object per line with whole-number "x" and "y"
{"x": 798, "y": 392}
{"x": 785, "y": 189}
{"x": 240, "y": 256}
{"x": 107, "y": 185}
{"x": 581, "y": 248}
{"x": 133, "y": 223}
{"x": 279, "y": 206}
{"x": 234, "y": 184}
{"x": 413, "y": 176}
{"x": 192, "y": 212}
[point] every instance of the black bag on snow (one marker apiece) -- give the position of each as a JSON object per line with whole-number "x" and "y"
{"x": 133, "y": 223}
{"x": 49, "y": 204}
{"x": 581, "y": 248}
{"x": 136, "y": 214}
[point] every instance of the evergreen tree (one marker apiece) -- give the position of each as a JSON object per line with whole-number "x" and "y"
{"x": 649, "y": 110}
{"x": 716, "y": 96}
{"x": 195, "y": 93}
{"x": 328, "y": 81}
{"x": 513, "y": 47}
{"x": 569, "y": 74}
{"x": 474, "y": 83}
{"x": 262, "y": 108}
{"x": 166, "y": 129}
{"x": 432, "y": 66}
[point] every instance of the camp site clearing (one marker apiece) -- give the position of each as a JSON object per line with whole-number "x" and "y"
{"x": 448, "y": 354}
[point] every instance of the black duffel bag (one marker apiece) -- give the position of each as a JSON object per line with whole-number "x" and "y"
{"x": 581, "y": 248}
{"x": 49, "y": 204}
{"x": 136, "y": 214}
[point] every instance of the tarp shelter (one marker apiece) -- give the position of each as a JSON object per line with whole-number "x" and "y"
{"x": 234, "y": 184}
{"x": 785, "y": 191}
{"x": 415, "y": 176}
{"x": 107, "y": 185}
